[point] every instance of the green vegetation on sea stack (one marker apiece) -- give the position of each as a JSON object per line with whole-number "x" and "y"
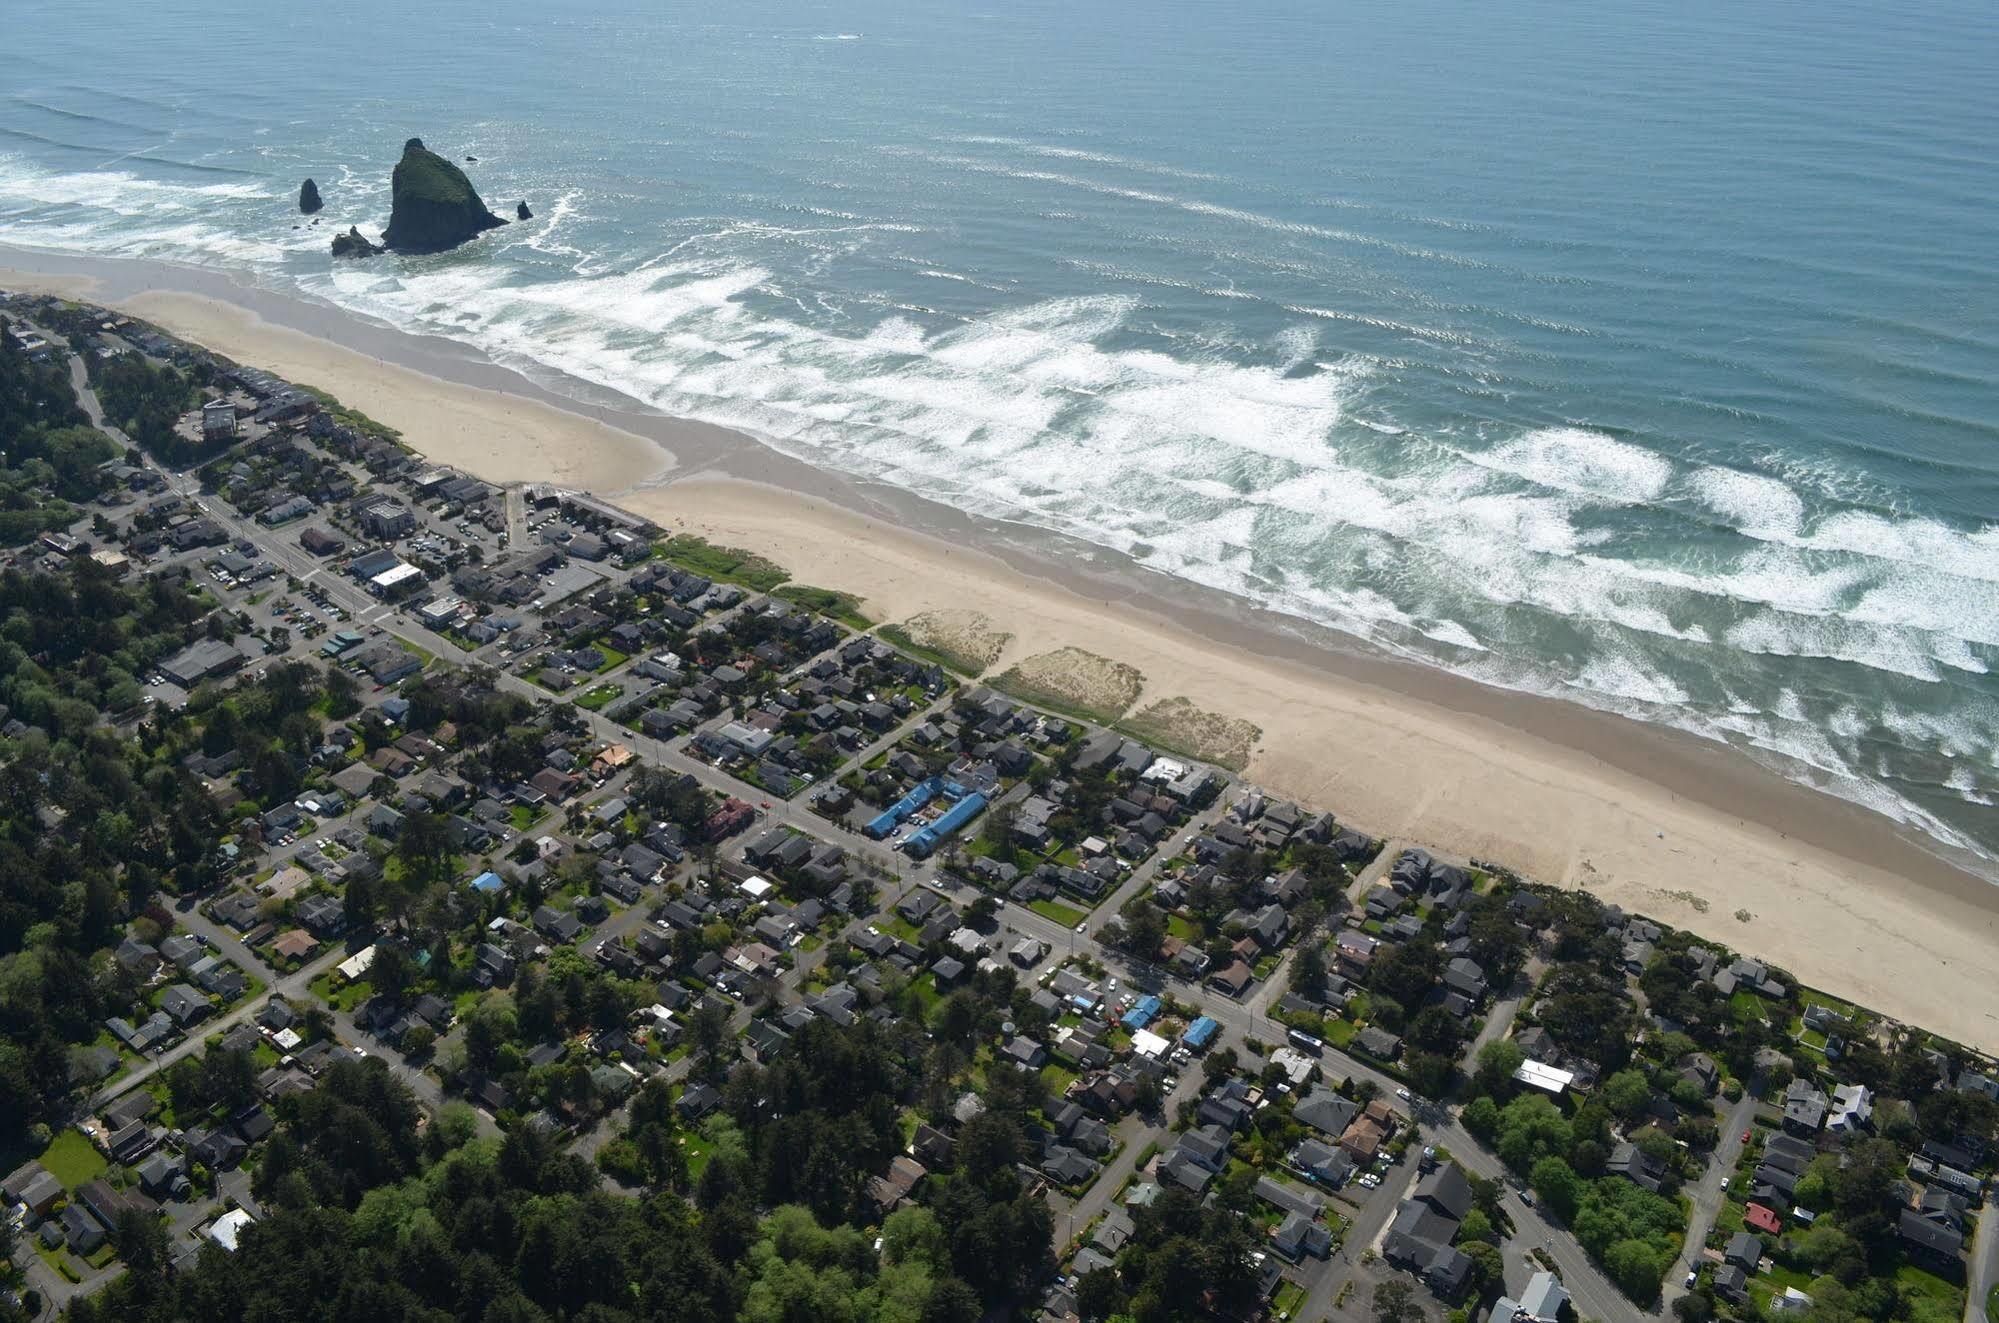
{"x": 435, "y": 206}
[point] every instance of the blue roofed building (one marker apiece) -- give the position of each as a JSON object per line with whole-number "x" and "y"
{"x": 1142, "y": 1013}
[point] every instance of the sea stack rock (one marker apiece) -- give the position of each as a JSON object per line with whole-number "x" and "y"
{"x": 521, "y": 212}
{"x": 354, "y": 244}
{"x": 308, "y": 197}
{"x": 435, "y": 206}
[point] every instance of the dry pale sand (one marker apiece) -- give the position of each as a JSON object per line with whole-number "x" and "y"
{"x": 1693, "y": 837}
{"x": 500, "y": 437}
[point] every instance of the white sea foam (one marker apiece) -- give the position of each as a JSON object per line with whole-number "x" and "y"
{"x": 1240, "y": 475}
{"x": 1583, "y": 463}
{"x": 1755, "y": 504}
{"x": 1965, "y": 782}
{"x": 1622, "y": 675}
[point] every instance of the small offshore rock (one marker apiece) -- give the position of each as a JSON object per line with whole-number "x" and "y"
{"x": 354, "y": 244}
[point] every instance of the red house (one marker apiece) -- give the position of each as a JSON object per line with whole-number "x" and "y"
{"x": 1758, "y": 1218}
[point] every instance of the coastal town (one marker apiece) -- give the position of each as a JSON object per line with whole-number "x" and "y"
{"x": 479, "y": 885}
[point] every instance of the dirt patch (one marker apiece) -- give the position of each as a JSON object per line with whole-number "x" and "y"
{"x": 1176, "y": 725}
{"x": 966, "y": 641}
{"x": 1077, "y": 682}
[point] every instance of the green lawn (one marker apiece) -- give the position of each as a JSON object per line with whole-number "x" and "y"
{"x": 924, "y": 988}
{"x": 1746, "y": 1006}
{"x": 1066, "y": 915}
{"x": 1918, "y": 1281}
{"x": 612, "y": 658}
{"x": 698, "y": 1151}
{"x": 1179, "y": 927}
{"x": 599, "y": 698}
{"x": 344, "y": 998}
{"x": 73, "y": 1160}
{"x": 522, "y": 817}
{"x": 1290, "y": 1298}
{"x": 58, "y": 1261}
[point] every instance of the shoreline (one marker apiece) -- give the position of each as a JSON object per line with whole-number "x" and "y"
{"x": 1654, "y": 820}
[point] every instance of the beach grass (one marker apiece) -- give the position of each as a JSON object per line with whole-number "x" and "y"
{"x": 1074, "y": 683}
{"x": 843, "y": 607}
{"x": 895, "y": 636}
{"x": 1176, "y": 725}
{"x": 725, "y": 564}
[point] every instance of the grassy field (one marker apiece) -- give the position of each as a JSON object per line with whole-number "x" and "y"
{"x": 1066, "y": 915}
{"x": 600, "y": 698}
{"x": 344, "y": 998}
{"x": 73, "y": 1160}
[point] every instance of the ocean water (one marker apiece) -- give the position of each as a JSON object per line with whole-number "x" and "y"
{"x": 1643, "y": 354}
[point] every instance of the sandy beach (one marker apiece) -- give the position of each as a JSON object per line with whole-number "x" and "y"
{"x": 1690, "y": 833}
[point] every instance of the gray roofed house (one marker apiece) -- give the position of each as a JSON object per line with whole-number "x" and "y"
{"x": 1323, "y": 1163}
{"x": 1731, "y": 1283}
{"x": 1326, "y": 1112}
{"x": 1744, "y": 1251}
{"x": 1804, "y": 1107}
{"x": 1541, "y": 1302}
{"x": 1446, "y": 1190}
{"x": 1637, "y": 1166}
{"x": 1176, "y": 1168}
{"x": 1928, "y": 1239}
{"x": 1286, "y": 1199}
{"x": 1378, "y": 1043}
{"x": 1464, "y": 975}
{"x": 1208, "y": 1146}
{"x": 1067, "y": 1166}
{"x": 1298, "y": 1236}
{"x": 184, "y": 1004}
{"x": 1027, "y": 1053}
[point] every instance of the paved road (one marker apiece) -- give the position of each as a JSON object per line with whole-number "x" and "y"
{"x": 1706, "y": 1194}
{"x": 1982, "y": 1269}
{"x": 1136, "y": 1134}
{"x": 293, "y": 986}
{"x": 1595, "y": 1297}
{"x": 1365, "y": 1234}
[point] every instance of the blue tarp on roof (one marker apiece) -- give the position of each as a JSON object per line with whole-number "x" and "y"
{"x": 889, "y": 818}
{"x": 488, "y": 882}
{"x": 1200, "y": 1033}
{"x": 1141, "y": 1013}
{"x": 929, "y": 838}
